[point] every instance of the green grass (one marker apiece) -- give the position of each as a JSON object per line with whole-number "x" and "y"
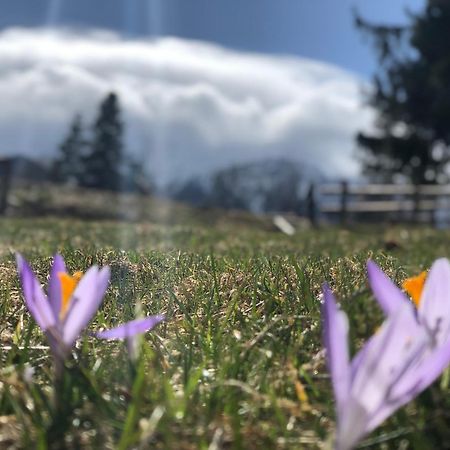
{"x": 237, "y": 365}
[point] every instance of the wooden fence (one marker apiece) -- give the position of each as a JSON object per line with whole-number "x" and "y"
{"x": 393, "y": 202}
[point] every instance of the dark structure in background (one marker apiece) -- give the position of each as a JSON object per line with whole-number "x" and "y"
{"x": 5, "y": 180}
{"x": 18, "y": 170}
{"x": 412, "y": 97}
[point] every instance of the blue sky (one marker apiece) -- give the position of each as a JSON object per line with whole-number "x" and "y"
{"x": 318, "y": 29}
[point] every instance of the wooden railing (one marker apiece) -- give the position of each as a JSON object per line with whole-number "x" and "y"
{"x": 399, "y": 202}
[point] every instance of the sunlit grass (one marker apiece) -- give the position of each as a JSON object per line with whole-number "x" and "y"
{"x": 239, "y": 361}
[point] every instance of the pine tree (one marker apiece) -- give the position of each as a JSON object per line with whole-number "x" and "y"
{"x": 411, "y": 94}
{"x": 68, "y": 166}
{"x": 102, "y": 165}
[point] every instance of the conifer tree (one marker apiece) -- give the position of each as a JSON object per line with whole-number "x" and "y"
{"x": 411, "y": 95}
{"x": 68, "y": 165}
{"x": 102, "y": 165}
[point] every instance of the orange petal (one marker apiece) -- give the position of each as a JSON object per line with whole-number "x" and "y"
{"x": 68, "y": 285}
{"x": 414, "y": 287}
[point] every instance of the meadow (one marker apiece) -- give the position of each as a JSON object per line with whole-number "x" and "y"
{"x": 239, "y": 361}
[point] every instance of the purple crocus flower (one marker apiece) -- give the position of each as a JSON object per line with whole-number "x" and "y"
{"x": 430, "y": 306}
{"x": 70, "y": 305}
{"x": 429, "y": 292}
{"x": 392, "y": 368}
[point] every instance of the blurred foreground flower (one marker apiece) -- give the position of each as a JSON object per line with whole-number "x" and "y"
{"x": 429, "y": 293}
{"x": 393, "y": 367}
{"x": 71, "y": 303}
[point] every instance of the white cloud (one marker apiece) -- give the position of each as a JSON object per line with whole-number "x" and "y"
{"x": 189, "y": 106}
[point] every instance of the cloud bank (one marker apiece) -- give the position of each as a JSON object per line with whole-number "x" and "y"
{"x": 189, "y": 107}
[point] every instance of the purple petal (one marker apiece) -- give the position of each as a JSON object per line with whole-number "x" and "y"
{"x": 35, "y": 299}
{"x": 407, "y": 314}
{"x": 388, "y": 295}
{"x": 131, "y": 328}
{"x": 335, "y": 332}
{"x": 434, "y": 307}
{"x": 360, "y": 355}
{"x": 393, "y": 351}
{"x": 352, "y": 425}
{"x": 54, "y": 284}
{"x": 85, "y": 302}
{"x": 426, "y": 372}
{"x": 433, "y": 366}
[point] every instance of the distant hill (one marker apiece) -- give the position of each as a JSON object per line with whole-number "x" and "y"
{"x": 268, "y": 185}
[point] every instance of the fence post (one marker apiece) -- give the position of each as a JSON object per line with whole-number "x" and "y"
{"x": 344, "y": 203}
{"x": 5, "y": 179}
{"x": 311, "y": 205}
{"x": 433, "y": 219}
{"x": 416, "y": 201}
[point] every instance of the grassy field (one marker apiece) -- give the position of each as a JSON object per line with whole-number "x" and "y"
{"x": 239, "y": 362}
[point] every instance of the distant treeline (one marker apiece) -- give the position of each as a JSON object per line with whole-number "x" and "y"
{"x": 95, "y": 157}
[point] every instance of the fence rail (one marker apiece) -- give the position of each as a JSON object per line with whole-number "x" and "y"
{"x": 385, "y": 189}
{"x": 400, "y": 202}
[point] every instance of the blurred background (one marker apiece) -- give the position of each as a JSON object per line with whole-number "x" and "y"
{"x": 321, "y": 109}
